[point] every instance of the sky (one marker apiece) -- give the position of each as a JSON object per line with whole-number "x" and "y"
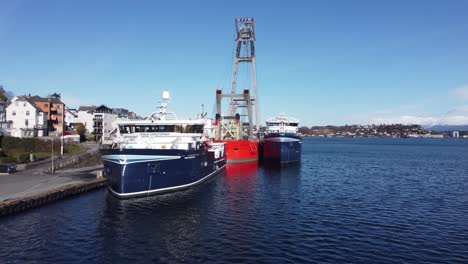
{"x": 330, "y": 62}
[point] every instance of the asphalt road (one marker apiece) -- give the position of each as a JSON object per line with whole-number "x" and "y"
{"x": 34, "y": 181}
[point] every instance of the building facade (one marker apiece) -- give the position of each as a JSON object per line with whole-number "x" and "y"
{"x": 5, "y": 125}
{"x": 55, "y": 111}
{"x": 27, "y": 120}
{"x": 86, "y": 117}
{"x": 103, "y": 120}
{"x": 121, "y": 112}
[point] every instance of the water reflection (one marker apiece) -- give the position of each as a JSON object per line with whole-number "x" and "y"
{"x": 275, "y": 168}
{"x": 166, "y": 226}
{"x": 347, "y": 202}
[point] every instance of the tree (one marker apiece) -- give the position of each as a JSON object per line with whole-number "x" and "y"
{"x": 304, "y": 130}
{"x": 3, "y": 94}
{"x": 56, "y": 96}
{"x": 81, "y": 130}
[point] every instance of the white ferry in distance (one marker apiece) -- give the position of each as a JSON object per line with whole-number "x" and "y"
{"x": 281, "y": 142}
{"x": 160, "y": 154}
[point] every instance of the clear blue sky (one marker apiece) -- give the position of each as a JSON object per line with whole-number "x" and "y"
{"x": 325, "y": 62}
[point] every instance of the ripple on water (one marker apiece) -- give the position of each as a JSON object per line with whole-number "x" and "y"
{"x": 348, "y": 201}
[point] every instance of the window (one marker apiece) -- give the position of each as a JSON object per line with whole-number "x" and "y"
{"x": 126, "y": 129}
{"x": 46, "y": 105}
{"x": 58, "y": 106}
{"x": 13, "y": 112}
{"x": 194, "y": 129}
{"x": 27, "y": 113}
{"x": 24, "y": 104}
{"x": 26, "y": 122}
{"x": 59, "y": 114}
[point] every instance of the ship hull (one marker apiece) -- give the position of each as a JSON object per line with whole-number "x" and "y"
{"x": 282, "y": 148}
{"x": 142, "y": 172}
{"x": 241, "y": 151}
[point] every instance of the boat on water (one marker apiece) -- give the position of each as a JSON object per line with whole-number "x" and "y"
{"x": 160, "y": 154}
{"x": 240, "y": 132}
{"x": 241, "y": 145}
{"x": 281, "y": 142}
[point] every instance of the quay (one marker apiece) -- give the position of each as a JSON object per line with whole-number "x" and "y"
{"x": 37, "y": 186}
{"x": 28, "y": 202}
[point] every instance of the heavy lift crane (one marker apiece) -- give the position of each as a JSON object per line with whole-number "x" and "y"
{"x": 230, "y": 126}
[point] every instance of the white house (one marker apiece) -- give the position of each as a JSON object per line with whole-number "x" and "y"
{"x": 71, "y": 117}
{"x": 27, "y": 120}
{"x": 84, "y": 115}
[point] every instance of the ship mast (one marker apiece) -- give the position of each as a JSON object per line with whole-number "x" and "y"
{"x": 245, "y": 53}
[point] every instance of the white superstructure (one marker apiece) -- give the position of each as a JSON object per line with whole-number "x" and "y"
{"x": 282, "y": 124}
{"x": 161, "y": 130}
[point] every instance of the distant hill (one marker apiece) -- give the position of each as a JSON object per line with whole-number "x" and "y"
{"x": 440, "y": 128}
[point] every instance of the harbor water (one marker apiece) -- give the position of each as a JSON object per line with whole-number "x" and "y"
{"x": 348, "y": 201}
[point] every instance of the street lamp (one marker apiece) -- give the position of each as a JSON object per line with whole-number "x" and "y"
{"x": 61, "y": 145}
{"x": 52, "y": 169}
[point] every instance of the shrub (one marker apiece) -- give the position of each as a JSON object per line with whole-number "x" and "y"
{"x": 73, "y": 149}
{"x": 7, "y": 160}
{"x": 12, "y": 145}
{"x": 41, "y": 155}
{"x": 23, "y": 157}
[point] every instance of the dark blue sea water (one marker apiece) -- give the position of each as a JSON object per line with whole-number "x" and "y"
{"x": 349, "y": 201}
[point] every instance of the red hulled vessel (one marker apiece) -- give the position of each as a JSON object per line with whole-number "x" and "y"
{"x": 240, "y": 133}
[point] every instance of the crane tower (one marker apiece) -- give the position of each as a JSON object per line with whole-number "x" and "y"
{"x": 245, "y": 53}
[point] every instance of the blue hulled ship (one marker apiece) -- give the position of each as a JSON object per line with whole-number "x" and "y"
{"x": 281, "y": 142}
{"x": 160, "y": 154}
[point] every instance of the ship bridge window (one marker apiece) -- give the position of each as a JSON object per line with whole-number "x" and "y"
{"x": 293, "y": 124}
{"x": 194, "y": 129}
{"x": 188, "y": 128}
{"x": 145, "y": 128}
{"x": 165, "y": 128}
{"x": 127, "y": 129}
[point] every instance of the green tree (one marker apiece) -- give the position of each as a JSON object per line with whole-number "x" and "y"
{"x": 56, "y": 96}
{"x": 81, "y": 130}
{"x": 304, "y": 130}
{"x": 3, "y": 94}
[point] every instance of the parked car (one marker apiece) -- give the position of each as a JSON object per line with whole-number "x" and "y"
{"x": 7, "y": 169}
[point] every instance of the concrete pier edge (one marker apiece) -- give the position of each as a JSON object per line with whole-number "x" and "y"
{"x": 23, "y": 204}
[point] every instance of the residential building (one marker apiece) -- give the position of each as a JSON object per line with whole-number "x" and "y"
{"x": 27, "y": 119}
{"x": 132, "y": 115}
{"x": 71, "y": 118}
{"x": 5, "y": 125}
{"x": 103, "y": 119}
{"x": 121, "y": 112}
{"x": 86, "y": 117}
{"x": 3, "y": 105}
{"x": 55, "y": 111}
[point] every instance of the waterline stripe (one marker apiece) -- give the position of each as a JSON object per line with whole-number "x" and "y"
{"x": 128, "y": 159}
